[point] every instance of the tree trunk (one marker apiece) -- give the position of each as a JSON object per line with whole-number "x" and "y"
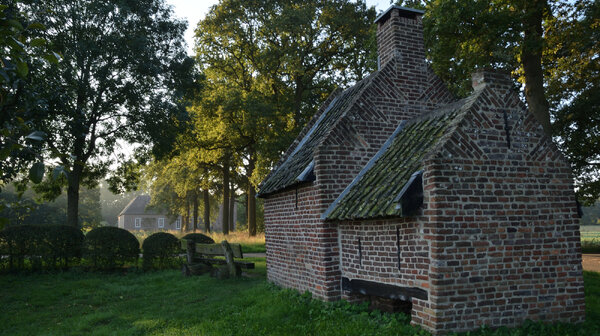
{"x": 73, "y": 196}
{"x": 186, "y": 218}
{"x": 251, "y": 210}
{"x": 206, "y": 196}
{"x": 231, "y": 209}
{"x": 251, "y": 197}
{"x": 531, "y": 57}
{"x": 195, "y": 207}
{"x": 225, "y": 217}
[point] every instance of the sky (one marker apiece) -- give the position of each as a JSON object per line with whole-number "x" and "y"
{"x": 194, "y": 11}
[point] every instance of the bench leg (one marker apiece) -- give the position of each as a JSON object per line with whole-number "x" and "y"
{"x": 185, "y": 270}
{"x": 233, "y": 270}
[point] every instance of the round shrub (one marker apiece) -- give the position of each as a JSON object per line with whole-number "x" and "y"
{"x": 40, "y": 246}
{"x": 108, "y": 247}
{"x": 21, "y": 243}
{"x": 161, "y": 250}
{"x": 64, "y": 242}
{"x": 198, "y": 238}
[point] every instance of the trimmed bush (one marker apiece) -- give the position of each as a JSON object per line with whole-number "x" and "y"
{"x": 161, "y": 251}
{"x": 64, "y": 243}
{"x": 199, "y": 238}
{"x": 37, "y": 247}
{"x": 109, "y": 247}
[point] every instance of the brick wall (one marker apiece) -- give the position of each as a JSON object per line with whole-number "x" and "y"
{"x": 504, "y": 228}
{"x": 294, "y": 254}
{"x": 302, "y": 249}
{"x": 369, "y": 251}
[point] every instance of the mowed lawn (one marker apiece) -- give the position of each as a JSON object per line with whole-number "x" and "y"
{"x": 166, "y": 303}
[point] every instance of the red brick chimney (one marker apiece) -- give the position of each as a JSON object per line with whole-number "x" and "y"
{"x": 400, "y": 35}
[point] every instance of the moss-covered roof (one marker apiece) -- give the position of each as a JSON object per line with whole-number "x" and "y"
{"x": 292, "y": 170}
{"x": 374, "y": 192}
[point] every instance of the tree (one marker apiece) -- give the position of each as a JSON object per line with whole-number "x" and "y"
{"x": 551, "y": 48}
{"x": 573, "y": 88}
{"x": 23, "y": 52}
{"x": 506, "y": 34}
{"x": 27, "y": 209}
{"x": 269, "y": 64}
{"x": 123, "y": 64}
{"x": 176, "y": 183}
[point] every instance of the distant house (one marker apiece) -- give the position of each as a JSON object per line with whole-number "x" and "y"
{"x": 136, "y": 216}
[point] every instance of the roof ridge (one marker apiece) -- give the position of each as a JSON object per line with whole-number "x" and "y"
{"x": 367, "y": 80}
{"x": 131, "y": 203}
{"x": 311, "y": 138}
{"x": 466, "y": 106}
{"x": 337, "y": 92}
{"x": 365, "y": 169}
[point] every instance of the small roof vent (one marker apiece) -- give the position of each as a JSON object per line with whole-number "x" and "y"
{"x": 406, "y": 12}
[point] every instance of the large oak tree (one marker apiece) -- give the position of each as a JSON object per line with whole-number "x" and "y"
{"x": 123, "y": 64}
{"x": 268, "y": 65}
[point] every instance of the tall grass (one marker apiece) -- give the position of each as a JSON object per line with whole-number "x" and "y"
{"x": 590, "y": 238}
{"x": 590, "y": 245}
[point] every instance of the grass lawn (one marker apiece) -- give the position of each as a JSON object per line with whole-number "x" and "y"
{"x": 166, "y": 303}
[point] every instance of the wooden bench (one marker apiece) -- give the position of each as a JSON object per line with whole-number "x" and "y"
{"x": 201, "y": 258}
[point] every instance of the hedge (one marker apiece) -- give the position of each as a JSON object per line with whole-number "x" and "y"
{"x": 40, "y": 247}
{"x": 161, "y": 250}
{"x": 109, "y": 247}
{"x": 198, "y": 238}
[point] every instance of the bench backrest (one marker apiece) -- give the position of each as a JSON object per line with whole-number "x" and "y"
{"x": 215, "y": 249}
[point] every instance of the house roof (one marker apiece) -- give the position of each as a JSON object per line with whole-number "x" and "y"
{"x": 297, "y": 167}
{"x": 137, "y": 206}
{"x": 376, "y": 191}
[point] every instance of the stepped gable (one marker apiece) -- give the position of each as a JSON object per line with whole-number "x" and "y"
{"x": 297, "y": 167}
{"x": 375, "y": 192}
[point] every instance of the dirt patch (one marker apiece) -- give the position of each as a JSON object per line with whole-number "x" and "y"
{"x": 591, "y": 262}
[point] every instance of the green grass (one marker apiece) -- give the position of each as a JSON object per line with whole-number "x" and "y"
{"x": 166, "y": 303}
{"x": 254, "y": 248}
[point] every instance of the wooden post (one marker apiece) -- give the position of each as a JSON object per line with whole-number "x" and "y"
{"x": 190, "y": 251}
{"x": 233, "y": 271}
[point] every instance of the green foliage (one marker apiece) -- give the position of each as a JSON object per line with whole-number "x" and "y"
{"x": 27, "y": 209}
{"x": 574, "y": 88}
{"x": 110, "y": 247}
{"x": 590, "y": 245}
{"x": 591, "y": 214}
{"x": 38, "y": 247}
{"x": 23, "y": 49}
{"x": 122, "y": 78}
{"x": 198, "y": 238}
{"x": 161, "y": 250}
{"x": 461, "y": 37}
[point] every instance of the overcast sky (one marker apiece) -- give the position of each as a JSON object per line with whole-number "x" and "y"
{"x": 194, "y": 11}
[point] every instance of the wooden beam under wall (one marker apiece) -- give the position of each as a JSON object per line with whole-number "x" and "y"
{"x": 383, "y": 290}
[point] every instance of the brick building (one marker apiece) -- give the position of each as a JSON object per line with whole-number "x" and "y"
{"x": 460, "y": 210}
